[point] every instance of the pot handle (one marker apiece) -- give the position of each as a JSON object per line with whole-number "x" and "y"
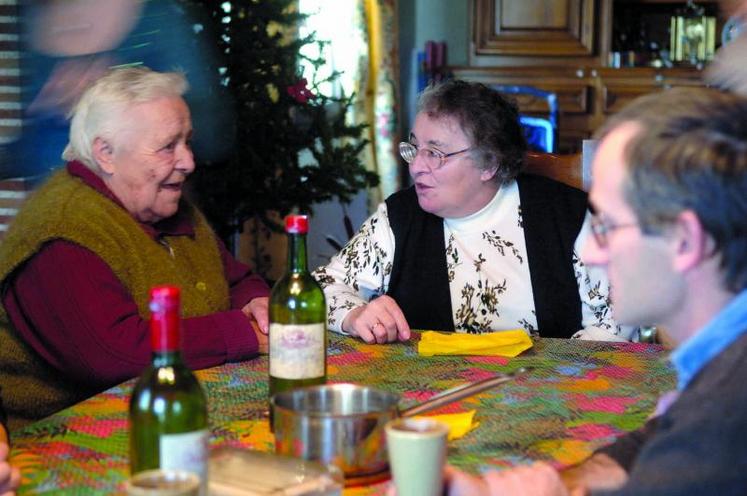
{"x": 461, "y": 392}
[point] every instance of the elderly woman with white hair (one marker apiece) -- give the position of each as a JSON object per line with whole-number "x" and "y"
{"x": 77, "y": 264}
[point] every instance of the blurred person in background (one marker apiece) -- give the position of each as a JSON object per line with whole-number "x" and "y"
{"x": 77, "y": 264}
{"x": 669, "y": 191}
{"x": 68, "y": 44}
{"x": 728, "y": 70}
{"x": 474, "y": 246}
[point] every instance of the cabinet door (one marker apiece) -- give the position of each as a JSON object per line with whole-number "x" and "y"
{"x": 619, "y": 87}
{"x": 534, "y": 27}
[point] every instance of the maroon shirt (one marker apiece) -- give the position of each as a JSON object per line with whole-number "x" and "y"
{"x": 70, "y": 307}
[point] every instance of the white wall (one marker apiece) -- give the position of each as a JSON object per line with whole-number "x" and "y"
{"x": 430, "y": 20}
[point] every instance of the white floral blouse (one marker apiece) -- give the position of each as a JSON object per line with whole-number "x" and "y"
{"x": 489, "y": 278}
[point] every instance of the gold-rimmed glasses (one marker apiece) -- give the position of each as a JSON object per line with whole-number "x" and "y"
{"x": 433, "y": 158}
{"x": 600, "y": 228}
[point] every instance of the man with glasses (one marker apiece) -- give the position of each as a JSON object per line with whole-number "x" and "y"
{"x": 670, "y": 194}
{"x": 473, "y": 246}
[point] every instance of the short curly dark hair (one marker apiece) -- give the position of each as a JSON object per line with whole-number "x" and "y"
{"x": 489, "y": 119}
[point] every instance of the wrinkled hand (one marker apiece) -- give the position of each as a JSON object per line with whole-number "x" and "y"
{"x": 257, "y": 309}
{"x": 10, "y": 478}
{"x": 379, "y": 321}
{"x": 263, "y": 340}
{"x": 539, "y": 479}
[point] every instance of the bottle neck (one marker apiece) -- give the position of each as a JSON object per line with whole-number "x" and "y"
{"x": 297, "y": 253}
{"x": 166, "y": 358}
{"x": 164, "y": 334}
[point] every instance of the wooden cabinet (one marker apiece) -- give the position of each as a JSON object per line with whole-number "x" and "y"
{"x": 563, "y": 46}
{"x": 535, "y": 32}
{"x": 586, "y": 95}
{"x": 534, "y": 27}
{"x": 618, "y": 87}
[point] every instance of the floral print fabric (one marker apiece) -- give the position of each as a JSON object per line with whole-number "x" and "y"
{"x": 488, "y": 272}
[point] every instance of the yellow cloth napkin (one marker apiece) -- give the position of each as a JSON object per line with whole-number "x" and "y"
{"x": 459, "y": 423}
{"x": 502, "y": 343}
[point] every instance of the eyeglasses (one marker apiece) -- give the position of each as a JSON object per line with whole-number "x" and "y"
{"x": 600, "y": 229}
{"x": 434, "y": 159}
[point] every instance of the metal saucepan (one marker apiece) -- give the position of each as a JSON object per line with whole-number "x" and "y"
{"x": 343, "y": 424}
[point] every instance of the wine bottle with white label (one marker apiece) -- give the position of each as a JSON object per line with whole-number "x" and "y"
{"x": 298, "y": 318}
{"x": 168, "y": 408}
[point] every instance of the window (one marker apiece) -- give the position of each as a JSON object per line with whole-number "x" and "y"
{"x": 10, "y": 107}
{"x": 339, "y": 24}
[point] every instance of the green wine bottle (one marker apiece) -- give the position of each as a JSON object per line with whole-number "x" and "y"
{"x": 298, "y": 319}
{"x": 168, "y": 409}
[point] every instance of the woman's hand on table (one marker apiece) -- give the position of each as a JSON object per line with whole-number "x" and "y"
{"x": 538, "y": 479}
{"x": 379, "y": 321}
{"x": 10, "y": 477}
{"x": 257, "y": 312}
{"x": 257, "y": 309}
{"x": 263, "y": 340}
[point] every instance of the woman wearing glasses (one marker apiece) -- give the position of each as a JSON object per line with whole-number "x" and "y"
{"x": 473, "y": 245}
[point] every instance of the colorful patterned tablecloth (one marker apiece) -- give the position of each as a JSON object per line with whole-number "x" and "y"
{"x": 579, "y": 396}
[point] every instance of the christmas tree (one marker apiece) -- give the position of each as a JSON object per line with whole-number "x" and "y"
{"x": 293, "y": 145}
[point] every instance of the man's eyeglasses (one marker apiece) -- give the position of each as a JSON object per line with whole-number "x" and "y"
{"x": 600, "y": 229}
{"x": 434, "y": 159}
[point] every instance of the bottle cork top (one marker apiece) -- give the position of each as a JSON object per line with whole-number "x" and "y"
{"x": 297, "y": 224}
{"x": 164, "y": 318}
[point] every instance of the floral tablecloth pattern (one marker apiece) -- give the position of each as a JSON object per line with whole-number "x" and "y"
{"x": 579, "y": 396}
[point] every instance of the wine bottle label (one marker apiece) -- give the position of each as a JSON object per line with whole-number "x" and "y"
{"x": 296, "y": 351}
{"x": 186, "y": 451}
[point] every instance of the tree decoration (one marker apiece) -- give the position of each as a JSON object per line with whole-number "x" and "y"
{"x": 293, "y": 145}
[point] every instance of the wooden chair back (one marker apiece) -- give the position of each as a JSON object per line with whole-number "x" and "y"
{"x": 568, "y": 169}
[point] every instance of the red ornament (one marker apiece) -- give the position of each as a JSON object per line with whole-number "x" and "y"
{"x": 300, "y": 92}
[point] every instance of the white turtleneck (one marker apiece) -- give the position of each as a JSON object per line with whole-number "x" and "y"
{"x": 489, "y": 277}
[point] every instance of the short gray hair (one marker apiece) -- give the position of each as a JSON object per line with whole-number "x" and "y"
{"x": 690, "y": 153}
{"x": 99, "y": 110}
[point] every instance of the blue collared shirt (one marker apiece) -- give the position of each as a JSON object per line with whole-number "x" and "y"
{"x": 716, "y": 336}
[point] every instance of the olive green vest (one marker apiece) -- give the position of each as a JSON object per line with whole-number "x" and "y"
{"x": 66, "y": 208}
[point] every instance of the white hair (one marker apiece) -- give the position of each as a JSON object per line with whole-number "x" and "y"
{"x": 99, "y": 111}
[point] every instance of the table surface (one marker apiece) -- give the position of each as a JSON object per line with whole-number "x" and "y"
{"x": 579, "y": 396}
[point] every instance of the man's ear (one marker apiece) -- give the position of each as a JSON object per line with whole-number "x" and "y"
{"x": 103, "y": 154}
{"x": 691, "y": 242}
